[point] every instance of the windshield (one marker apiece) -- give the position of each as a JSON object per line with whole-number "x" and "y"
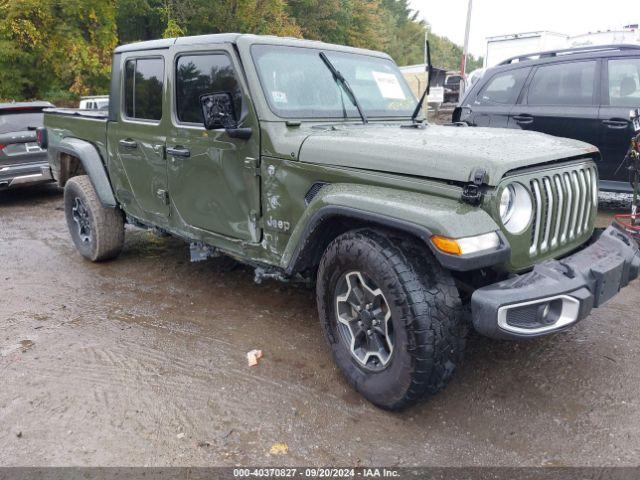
{"x": 20, "y": 121}
{"x": 298, "y": 84}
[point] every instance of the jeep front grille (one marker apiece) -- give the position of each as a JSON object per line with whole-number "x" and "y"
{"x": 563, "y": 204}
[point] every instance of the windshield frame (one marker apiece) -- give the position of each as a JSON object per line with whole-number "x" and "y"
{"x": 352, "y": 116}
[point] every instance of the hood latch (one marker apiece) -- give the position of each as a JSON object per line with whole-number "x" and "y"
{"x": 472, "y": 192}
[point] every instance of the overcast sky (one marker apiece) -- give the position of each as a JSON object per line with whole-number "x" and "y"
{"x": 501, "y": 17}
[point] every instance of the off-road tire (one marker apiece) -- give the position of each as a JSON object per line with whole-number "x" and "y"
{"x": 427, "y": 314}
{"x": 106, "y": 224}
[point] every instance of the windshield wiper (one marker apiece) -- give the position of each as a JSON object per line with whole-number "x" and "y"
{"x": 427, "y": 90}
{"x": 339, "y": 78}
{"x": 418, "y": 109}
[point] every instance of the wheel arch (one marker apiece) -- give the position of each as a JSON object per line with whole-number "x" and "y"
{"x": 329, "y": 222}
{"x": 338, "y": 208}
{"x": 79, "y": 157}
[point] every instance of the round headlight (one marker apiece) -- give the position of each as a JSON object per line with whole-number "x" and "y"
{"x": 516, "y": 208}
{"x": 507, "y": 204}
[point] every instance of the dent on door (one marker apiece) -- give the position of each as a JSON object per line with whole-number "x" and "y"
{"x": 215, "y": 187}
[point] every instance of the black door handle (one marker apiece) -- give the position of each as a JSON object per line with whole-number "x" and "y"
{"x": 523, "y": 119}
{"x": 616, "y": 124}
{"x": 178, "y": 152}
{"x": 128, "y": 143}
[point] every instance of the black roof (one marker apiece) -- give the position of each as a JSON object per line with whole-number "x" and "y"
{"x": 569, "y": 51}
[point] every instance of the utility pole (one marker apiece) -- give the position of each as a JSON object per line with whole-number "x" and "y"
{"x": 463, "y": 66}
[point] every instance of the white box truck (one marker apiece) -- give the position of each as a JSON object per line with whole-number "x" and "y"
{"x": 503, "y": 47}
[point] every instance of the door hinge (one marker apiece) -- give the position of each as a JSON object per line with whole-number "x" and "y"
{"x": 253, "y": 165}
{"x": 472, "y": 193}
{"x": 163, "y": 195}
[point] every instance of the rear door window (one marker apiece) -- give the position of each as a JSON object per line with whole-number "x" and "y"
{"x": 143, "y": 82}
{"x": 569, "y": 84}
{"x": 20, "y": 122}
{"x": 624, "y": 82}
{"x": 197, "y": 75}
{"x": 503, "y": 88}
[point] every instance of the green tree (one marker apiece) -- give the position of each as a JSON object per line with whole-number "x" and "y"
{"x": 448, "y": 55}
{"x": 267, "y": 17}
{"x": 140, "y": 20}
{"x": 55, "y": 47}
{"x": 359, "y": 23}
{"x": 406, "y": 42}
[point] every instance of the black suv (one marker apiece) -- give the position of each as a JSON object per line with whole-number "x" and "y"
{"x": 582, "y": 93}
{"x": 22, "y": 161}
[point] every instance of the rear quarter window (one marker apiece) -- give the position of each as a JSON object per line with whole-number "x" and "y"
{"x": 624, "y": 82}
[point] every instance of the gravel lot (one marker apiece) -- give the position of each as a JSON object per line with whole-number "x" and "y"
{"x": 141, "y": 361}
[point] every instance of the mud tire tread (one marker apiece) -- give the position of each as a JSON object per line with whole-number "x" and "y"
{"x": 107, "y": 223}
{"x": 432, "y": 311}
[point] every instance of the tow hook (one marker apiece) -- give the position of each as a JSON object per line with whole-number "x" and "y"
{"x": 472, "y": 192}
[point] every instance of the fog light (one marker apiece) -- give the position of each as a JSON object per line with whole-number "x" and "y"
{"x": 539, "y": 316}
{"x": 549, "y": 313}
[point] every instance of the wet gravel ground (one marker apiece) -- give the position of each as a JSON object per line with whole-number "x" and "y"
{"x": 141, "y": 361}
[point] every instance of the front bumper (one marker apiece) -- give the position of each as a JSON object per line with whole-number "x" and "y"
{"x": 14, "y": 175}
{"x": 557, "y": 293}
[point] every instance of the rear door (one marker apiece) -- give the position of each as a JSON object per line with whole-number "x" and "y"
{"x": 561, "y": 100}
{"x": 137, "y": 139}
{"x": 492, "y": 105}
{"x": 213, "y": 181}
{"x": 621, "y": 94}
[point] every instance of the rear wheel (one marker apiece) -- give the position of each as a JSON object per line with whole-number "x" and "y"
{"x": 97, "y": 231}
{"x": 391, "y": 315}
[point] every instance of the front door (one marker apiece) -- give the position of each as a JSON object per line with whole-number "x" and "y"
{"x": 621, "y": 95}
{"x": 494, "y": 102}
{"x": 137, "y": 139}
{"x": 561, "y": 100}
{"x": 213, "y": 182}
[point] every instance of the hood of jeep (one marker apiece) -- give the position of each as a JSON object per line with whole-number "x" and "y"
{"x": 445, "y": 153}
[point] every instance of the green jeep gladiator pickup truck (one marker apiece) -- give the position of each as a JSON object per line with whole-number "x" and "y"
{"x": 303, "y": 160}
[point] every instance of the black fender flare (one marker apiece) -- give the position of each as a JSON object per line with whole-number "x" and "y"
{"x": 93, "y": 166}
{"x": 451, "y": 262}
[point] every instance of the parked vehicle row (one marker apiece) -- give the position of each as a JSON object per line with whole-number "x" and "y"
{"x": 311, "y": 162}
{"x": 584, "y": 93}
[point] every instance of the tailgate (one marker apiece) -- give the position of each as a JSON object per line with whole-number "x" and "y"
{"x": 19, "y": 148}
{"x": 87, "y": 125}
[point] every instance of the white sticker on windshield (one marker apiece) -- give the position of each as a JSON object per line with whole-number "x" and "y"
{"x": 389, "y": 86}
{"x": 279, "y": 97}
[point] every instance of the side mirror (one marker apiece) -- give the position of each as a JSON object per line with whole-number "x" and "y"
{"x": 218, "y": 111}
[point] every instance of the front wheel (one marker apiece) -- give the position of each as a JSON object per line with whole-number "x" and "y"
{"x": 97, "y": 231}
{"x": 391, "y": 316}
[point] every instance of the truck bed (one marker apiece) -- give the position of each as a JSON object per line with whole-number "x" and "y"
{"x": 77, "y": 112}
{"x": 88, "y": 125}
